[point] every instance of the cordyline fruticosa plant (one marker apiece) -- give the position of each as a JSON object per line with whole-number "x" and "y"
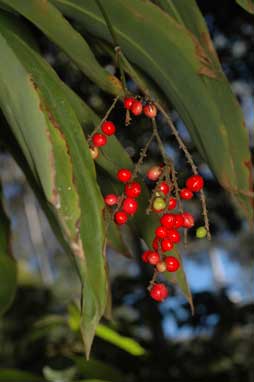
{"x": 55, "y": 137}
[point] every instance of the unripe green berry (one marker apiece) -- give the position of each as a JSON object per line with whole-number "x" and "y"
{"x": 159, "y": 204}
{"x": 201, "y": 232}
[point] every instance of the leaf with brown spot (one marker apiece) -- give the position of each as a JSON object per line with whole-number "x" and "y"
{"x": 54, "y": 124}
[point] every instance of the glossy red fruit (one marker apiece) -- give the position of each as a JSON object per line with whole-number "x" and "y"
{"x": 178, "y": 223}
{"x": 155, "y": 243}
{"x": 145, "y": 255}
{"x": 136, "y": 107}
{"x": 150, "y": 110}
{"x": 186, "y": 194}
{"x": 99, "y": 139}
{"x": 121, "y": 217}
{"x": 159, "y": 292}
{"x": 124, "y": 175}
{"x": 154, "y": 173}
{"x": 111, "y": 199}
{"x": 173, "y": 235}
{"x": 166, "y": 245}
{"x": 153, "y": 258}
{"x": 172, "y": 264}
{"x": 108, "y": 128}
{"x": 172, "y": 203}
{"x": 163, "y": 187}
{"x": 132, "y": 190}
{"x": 128, "y": 102}
{"x": 195, "y": 183}
{"x": 130, "y": 206}
{"x": 188, "y": 220}
{"x": 168, "y": 220}
{"x": 94, "y": 151}
{"x": 161, "y": 232}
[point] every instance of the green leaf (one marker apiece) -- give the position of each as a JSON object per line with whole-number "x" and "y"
{"x": 52, "y": 140}
{"x": 248, "y": 5}
{"x": 189, "y": 76}
{"x": 144, "y": 228}
{"x": 110, "y": 164}
{"x": 64, "y": 375}
{"x": 51, "y": 22}
{"x": 231, "y": 115}
{"x": 13, "y": 375}
{"x": 97, "y": 369}
{"x": 124, "y": 343}
{"x": 8, "y": 269}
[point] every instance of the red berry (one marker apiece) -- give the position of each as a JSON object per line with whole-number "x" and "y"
{"x": 145, "y": 255}
{"x": 195, "y": 183}
{"x": 130, "y": 206}
{"x": 150, "y": 110}
{"x": 153, "y": 258}
{"x": 168, "y": 220}
{"x": 128, "y": 101}
{"x": 178, "y": 221}
{"x": 136, "y": 107}
{"x": 164, "y": 188}
{"x": 108, "y": 128}
{"x": 186, "y": 194}
{"x": 161, "y": 232}
{"x": 132, "y": 190}
{"x": 124, "y": 175}
{"x": 94, "y": 151}
{"x": 172, "y": 264}
{"x": 173, "y": 235}
{"x": 155, "y": 243}
{"x": 172, "y": 203}
{"x": 159, "y": 292}
{"x": 188, "y": 220}
{"x": 166, "y": 245}
{"x": 99, "y": 140}
{"x": 111, "y": 199}
{"x": 121, "y": 217}
{"x": 154, "y": 173}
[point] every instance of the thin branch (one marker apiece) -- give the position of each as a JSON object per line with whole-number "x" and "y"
{"x": 103, "y": 120}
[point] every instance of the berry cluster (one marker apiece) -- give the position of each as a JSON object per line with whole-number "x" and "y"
{"x": 166, "y": 199}
{"x": 100, "y": 139}
{"x": 127, "y": 204}
{"x": 167, "y": 233}
{"x": 136, "y": 107}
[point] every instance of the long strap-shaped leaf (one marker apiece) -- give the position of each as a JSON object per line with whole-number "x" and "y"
{"x": 110, "y": 163}
{"x": 8, "y": 273}
{"x": 173, "y": 56}
{"x": 52, "y": 140}
{"x": 230, "y": 112}
{"x": 46, "y": 17}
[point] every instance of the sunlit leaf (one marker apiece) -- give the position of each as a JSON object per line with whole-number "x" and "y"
{"x": 124, "y": 343}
